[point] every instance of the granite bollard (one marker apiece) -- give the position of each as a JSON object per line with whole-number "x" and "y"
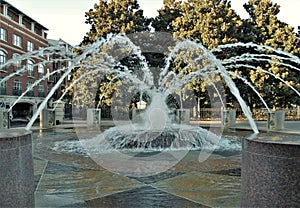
{"x": 271, "y": 171}
{"x": 16, "y": 169}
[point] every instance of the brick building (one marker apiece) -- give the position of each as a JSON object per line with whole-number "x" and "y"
{"x": 20, "y": 34}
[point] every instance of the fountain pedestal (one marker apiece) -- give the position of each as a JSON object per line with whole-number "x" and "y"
{"x": 4, "y": 119}
{"x": 271, "y": 172}
{"x": 183, "y": 116}
{"x": 136, "y": 115}
{"x": 59, "y": 112}
{"x": 229, "y": 118}
{"x": 93, "y": 117}
{"x": 276, "y": 120}
{"x": 47, "y": 119}
{"x": 16, "y": 165}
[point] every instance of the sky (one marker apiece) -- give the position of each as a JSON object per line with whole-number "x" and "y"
{"x": 65, "y": 18}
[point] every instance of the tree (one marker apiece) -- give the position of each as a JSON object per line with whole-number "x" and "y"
{"x": 115, "y": 16}
{"x": 268, "y": 30}
{"x": 108, "y": 17}
{"x": 166, "y": 15}
{"x": 212, "y": 22}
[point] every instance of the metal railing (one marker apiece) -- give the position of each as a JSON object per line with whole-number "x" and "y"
{"x": 30, "y": 94}
{"x": 17, "y": 92}
{"x": 41, "y": 94}
{"x": 261, "y": 114}
{"x": 2, "y": 90}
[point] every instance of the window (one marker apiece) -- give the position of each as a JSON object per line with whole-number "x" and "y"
{"x": 41, "y": 70}
{"x": 30, "y": 92}
{"x": 17, "y": 40}
{"x": 41, "y": 89}
{"x": 18, "y": 64}
{"x": 17, "y": 87}
{"x": 30, "y": 69}
{"x": 2, "y": 87}
{"x": 30, "y": 46}
{"x": 3, "y": 34}
{"x": 2, "y": 60}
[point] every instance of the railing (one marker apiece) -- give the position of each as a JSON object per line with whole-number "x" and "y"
{"x": 210, "y": 114}
{"x": 41, "y": 94}
{"x": 206, "y": 114}
{"x": 52, "y": 79}
{"x": 79, "y": 113}
{"x": 30, "y": 73}
{"x": 2, "y": 90}
{"x": 30, "y": 94}
{"x": 117, "y": 114}
{"x": 16, "y": 68}
{"x": 3, "y": 68}
{"x": 17, "y": 92}
{"x": 106, "y": 113}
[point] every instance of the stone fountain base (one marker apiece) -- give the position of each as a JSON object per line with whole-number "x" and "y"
{"x": 16, "y": 169}
{"x": 271, "y": 172}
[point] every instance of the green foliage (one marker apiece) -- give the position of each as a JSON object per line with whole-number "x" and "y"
{"x": 166, "y": 15}
{"x": 115, "y": 16}
{"x": 264, "y": 28}
{"x": 211, "y": 22}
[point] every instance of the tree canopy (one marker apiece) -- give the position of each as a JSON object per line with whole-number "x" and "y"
{"x": 211, "y": 23}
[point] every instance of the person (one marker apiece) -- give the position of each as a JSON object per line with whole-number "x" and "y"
{"x": 133, "y": 106}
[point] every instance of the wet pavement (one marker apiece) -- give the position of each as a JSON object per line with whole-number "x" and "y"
{"x": 74, "y": 180}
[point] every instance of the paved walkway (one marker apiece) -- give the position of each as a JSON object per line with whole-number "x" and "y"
{"x": 75, "y": 180}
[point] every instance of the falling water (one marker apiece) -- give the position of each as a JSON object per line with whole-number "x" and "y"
{"x": 156, "y": 118}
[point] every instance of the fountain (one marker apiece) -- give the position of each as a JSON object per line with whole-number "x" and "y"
{"x": 157, "y": 132}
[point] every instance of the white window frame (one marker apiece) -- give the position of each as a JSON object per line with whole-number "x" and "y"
{"x": 28, "y": 85}
{"x": 17, "y": 84}
{"x": 30, "y": 46}
{"x": 3, "y": 84}
{"x": 30, "y": 68}
{"x": 3, "y": 57}
{"x": 41, "y": 70}
{"x": 17, "y": 40}
{"x": 41, "y": 87}
{"x": 18, "y": 64}
{"x": 3, "y": 34}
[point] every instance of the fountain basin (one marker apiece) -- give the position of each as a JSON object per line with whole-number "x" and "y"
{"x": 16, "y": 165}
{"x": 271, "y": 171}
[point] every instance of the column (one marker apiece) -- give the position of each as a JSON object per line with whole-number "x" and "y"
{"x": 229, "y": 118}
{"x": 16, "y": 165}
{"x": 183, "y": 116}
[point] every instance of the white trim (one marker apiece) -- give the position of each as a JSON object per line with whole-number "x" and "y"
{"x": 31, "y": 100}
{"x": 5, "y": 51}
{"x": 32, "y": 26}
{"x": 21, "y": 19}
{"x": 5, "y": 9}
{"x": 18, "y": 50}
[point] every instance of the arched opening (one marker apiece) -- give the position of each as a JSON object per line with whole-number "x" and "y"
{"x": 22, "y": 111}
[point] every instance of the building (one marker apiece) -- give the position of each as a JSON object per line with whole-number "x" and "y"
{"x": 60, "y": 61}
{"x": 20, "y": 34}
